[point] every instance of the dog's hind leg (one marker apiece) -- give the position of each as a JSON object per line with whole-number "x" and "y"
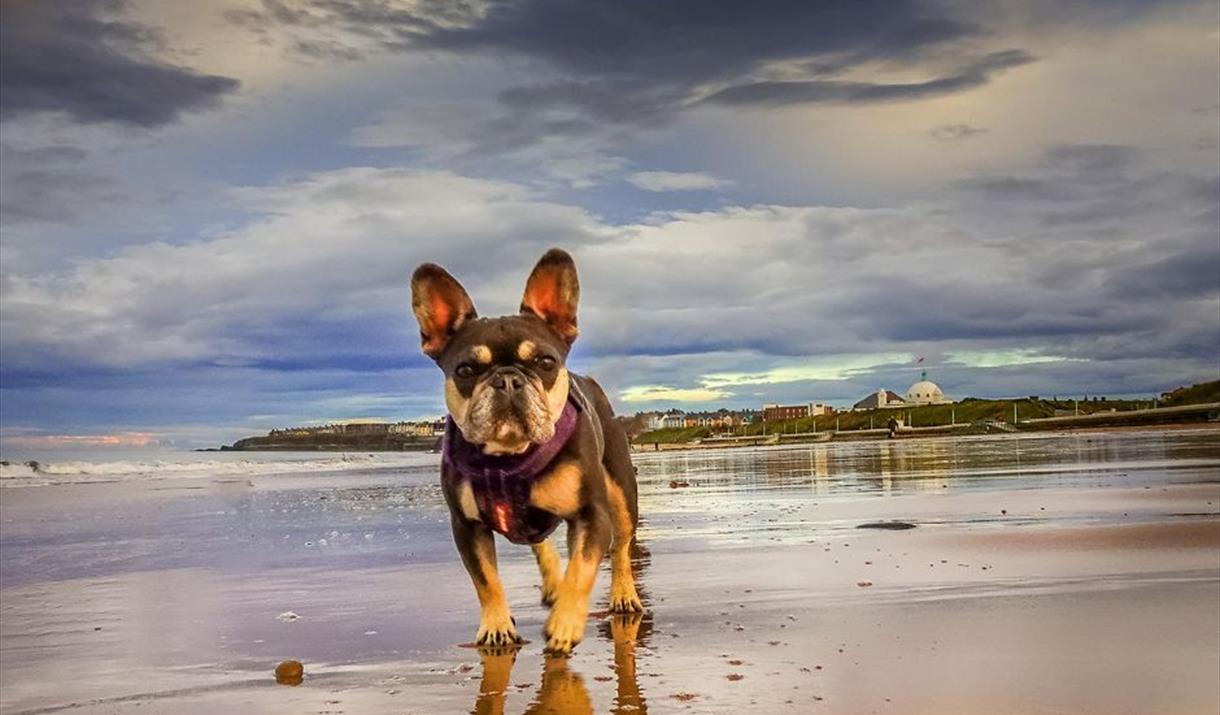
{"x": 478, "y": 549}
{"x": 552, "y": 571}
{"x": 623, "y": 596}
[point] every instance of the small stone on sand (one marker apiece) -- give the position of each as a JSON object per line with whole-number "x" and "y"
{"x": 887, "y": 525}
{"x": 290, "y": 672}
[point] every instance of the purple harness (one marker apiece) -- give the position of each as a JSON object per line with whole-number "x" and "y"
{"x": 501, "y": 483}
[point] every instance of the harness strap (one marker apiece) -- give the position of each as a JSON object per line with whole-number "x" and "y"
{"x": 587, "y": 408}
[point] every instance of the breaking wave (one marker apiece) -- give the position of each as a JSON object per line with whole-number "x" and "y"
{"x": 37, "y": 473}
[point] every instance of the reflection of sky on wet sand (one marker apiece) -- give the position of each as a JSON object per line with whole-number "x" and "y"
{"x": 912, "y": 464}
{"x": 163, "y": 596}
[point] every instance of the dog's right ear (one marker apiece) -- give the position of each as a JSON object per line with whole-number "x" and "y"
{"x": 441, "y": 305}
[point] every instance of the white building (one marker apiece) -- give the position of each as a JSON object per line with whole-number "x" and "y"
{"x": 673, "y": 420}
{"x": 926, "y": 392}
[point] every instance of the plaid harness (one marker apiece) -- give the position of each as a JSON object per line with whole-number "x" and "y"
{"x": 501, "y": 483}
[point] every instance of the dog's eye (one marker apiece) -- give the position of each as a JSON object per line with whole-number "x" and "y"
{"x": 464, "y": 370}
{"x": 546, "y": 363}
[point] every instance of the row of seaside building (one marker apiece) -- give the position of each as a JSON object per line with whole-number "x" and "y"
{"x": 422, "y": 428}
{"x": 923, "y": 392}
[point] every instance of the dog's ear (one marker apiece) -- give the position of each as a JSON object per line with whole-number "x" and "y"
{"x": 441, "y": 305}
{"x": 552, "y": 292}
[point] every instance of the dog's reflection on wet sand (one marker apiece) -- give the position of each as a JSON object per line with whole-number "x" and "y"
{"x": 562, "y": 690}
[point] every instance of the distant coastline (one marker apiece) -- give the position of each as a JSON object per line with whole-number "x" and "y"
{"x": 1196, "y": 404}
{"x": 350, "y": 442}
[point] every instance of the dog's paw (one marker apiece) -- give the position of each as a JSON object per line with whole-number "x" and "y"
{"x": 549, "y": 594}
{"x": 565, "y": 627}
{"x": 499, "y": 629}
{"x": 624, "y": 599}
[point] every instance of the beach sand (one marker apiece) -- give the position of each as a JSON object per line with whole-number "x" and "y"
{"x": 1045, "y": 573}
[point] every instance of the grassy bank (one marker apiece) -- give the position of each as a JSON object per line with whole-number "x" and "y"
{"x": 335, "y": 443}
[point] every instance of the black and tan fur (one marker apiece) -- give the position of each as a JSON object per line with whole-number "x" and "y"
{"x": 505, "y": 386}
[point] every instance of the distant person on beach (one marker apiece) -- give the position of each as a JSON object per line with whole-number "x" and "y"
{"x": 892, "y": 426}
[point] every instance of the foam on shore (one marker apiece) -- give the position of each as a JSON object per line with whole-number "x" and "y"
{"x": 36, "y": 473}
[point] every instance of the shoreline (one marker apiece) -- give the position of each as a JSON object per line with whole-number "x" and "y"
{"x": 919, "y": 433}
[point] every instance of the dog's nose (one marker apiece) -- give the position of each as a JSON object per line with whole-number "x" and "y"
{"x": 508, "y": 382}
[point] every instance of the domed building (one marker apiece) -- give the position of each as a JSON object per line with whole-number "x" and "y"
{"x": 926, "y": 392}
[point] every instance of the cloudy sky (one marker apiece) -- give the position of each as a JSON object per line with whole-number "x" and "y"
{"x": 209, "y": 211}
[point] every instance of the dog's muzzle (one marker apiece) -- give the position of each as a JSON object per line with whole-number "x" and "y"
{"x": 511, "y": 408}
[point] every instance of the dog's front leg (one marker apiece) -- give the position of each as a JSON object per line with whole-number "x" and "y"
{"x": 476, "y": 544}
{"x": 588, "y": 538}
{"x": 550, "y": 568}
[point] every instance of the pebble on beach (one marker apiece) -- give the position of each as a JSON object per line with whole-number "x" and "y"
{"x": 290, "y": 672}
{"x": 887, "y": 525}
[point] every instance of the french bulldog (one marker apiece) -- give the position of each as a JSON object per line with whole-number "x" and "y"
{"x": 529, "y": 444}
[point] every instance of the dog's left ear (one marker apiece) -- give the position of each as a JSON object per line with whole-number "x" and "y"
{"x": 552, "y": 292}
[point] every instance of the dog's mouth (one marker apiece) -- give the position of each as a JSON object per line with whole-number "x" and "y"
{"x": 509, "y": 438}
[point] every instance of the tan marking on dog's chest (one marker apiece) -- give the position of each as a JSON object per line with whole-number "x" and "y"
{"x": 559, "y": 491}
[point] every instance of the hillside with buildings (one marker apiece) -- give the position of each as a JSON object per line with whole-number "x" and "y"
{"x": 363, "y": 436}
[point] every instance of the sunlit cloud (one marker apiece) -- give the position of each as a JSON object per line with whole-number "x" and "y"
{"x": 661, "y": 393}
{"x": 53, "y": 441}
{"x": 1004, "y": 358}
{"x": 675, "y": 181}
{"x": 838, "y": 367}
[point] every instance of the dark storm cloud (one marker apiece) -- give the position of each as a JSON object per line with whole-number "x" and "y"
{"x": 47, "y": 185}
{"x": 639, "y": 63}
{"x": 776, "y": 93}
{"x": 955, "y": 132}
{"x": 1096, "y": 179}
{"x": 1017, "y": 188}
{"x": 1193, "y": 272}
{"x": 945, "y": 311}
{"x": 1092, "y": 159}
{"x": 80, "y": 59}
{"x": 684, "y": 46}
{"x": 692, "y": 39}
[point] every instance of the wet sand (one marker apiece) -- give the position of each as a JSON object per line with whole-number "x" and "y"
{"x": 1045, "y": 573}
